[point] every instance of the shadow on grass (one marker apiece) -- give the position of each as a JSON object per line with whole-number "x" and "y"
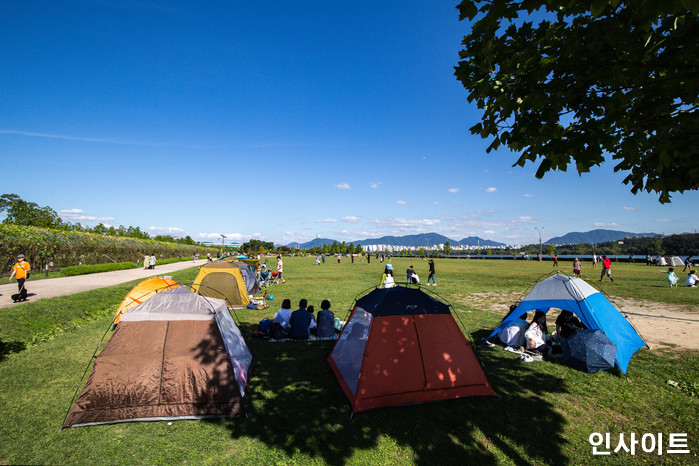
{"x": 10, "y": 347}
{"x": 296, "y": 406}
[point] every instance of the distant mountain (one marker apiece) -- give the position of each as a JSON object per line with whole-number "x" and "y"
{"x": 421, "y": 240}
{"x": 595, "y": 236}
{"x": 317, "y": 242}
{"x": 475, "y": 241}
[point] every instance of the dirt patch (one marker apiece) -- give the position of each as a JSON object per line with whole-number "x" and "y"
{"x": 661, "y": 325}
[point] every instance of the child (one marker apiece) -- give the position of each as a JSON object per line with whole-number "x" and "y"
{"x": 671, "y": 277}
{"x": 576, "y": 267}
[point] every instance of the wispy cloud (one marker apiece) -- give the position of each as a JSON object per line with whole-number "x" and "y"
{"x": 351, "y": 219}
{"x": 453, "y": 190}
{"x": 491, "y": 190}
{"x": 401, "y": 202}
{"x": 77, "y": 215}
{"x": 526, "y": 219}
{"x": 629, "y": 208}
{"x": 663, "y": 220}
{"x": 67, "y": 137}
{"x": 343, "y": 186}
{"x": 606, "y": 225}
{"x": 405, "y": 222}
{"x": 375, "y": 185}
{"x": 528, "y": 195}
{"x": 170, "y": 231}
{"x": 327, "y": 220}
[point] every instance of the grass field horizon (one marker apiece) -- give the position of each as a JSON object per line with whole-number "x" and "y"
{"x": 543, "y": 412}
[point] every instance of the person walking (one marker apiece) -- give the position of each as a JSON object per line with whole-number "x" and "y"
{"x": 555, "y": 260}
{"x": 151, "y": 261}
{"x": 430, "y": 275}
{"x": 21, "y": 270}
{"x": 594, "y": 260}
{"x": 280, "y": 268}
{"x": 688, "y": 264}
{"x": 606, "y": 268}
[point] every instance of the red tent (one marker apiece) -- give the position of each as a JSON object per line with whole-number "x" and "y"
{"x": 402, "y": 346}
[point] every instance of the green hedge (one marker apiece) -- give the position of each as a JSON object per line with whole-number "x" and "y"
{"x": 67, "y": 248}
{"x": 97, "y": 268}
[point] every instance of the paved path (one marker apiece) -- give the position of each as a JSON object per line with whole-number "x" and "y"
{"x": 52, "y": 287}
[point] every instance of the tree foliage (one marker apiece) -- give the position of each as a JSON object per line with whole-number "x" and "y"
{"x": 575, "y": 82}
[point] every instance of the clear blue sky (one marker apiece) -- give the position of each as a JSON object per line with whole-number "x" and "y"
{"x": 278, "y": 121}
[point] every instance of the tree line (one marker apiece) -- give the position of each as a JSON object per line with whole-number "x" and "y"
{"x": 25, "y": 213}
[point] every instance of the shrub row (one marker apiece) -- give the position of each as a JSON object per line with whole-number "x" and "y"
{"x": 74, "y": 270}
{"x": 67, "y": 248}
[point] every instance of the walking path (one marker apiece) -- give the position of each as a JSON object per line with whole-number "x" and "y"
{"x": 52, "y": 287}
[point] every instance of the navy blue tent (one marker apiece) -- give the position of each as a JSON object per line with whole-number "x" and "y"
{"x": 592, "y": 307}
{"x": 589, "y": 350}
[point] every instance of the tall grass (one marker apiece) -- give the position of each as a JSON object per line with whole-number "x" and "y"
{"x": 543, "y": 413}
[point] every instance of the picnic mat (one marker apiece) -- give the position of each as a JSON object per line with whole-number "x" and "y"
{"x": 311, "y": 338}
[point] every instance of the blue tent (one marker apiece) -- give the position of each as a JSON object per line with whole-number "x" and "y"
{"x": 592, "y": 307}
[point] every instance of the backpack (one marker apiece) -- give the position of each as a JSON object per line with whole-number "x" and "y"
{"x": 265, "y": 326}
{"x": 278, "y": 332}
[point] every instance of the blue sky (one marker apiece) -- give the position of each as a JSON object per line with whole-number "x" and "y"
{"x": 280, "y": 121}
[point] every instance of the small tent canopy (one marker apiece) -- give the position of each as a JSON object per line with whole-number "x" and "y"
{"x": 402, "y": 346}
{"x": 176, "y": 356}
{"x": 249, "y": 274}
{"x": 222, "y": 280}
{"x": 143, "y": 291}
{"x": 592, "y": 307}
{"x": 673, "y": 261}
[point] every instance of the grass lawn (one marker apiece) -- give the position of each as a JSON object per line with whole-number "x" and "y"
{"x": 544, "y": 412}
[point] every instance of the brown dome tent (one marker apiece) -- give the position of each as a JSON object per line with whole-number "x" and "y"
{"x": 176, "y": 356}
{"x": 223, "y": 281}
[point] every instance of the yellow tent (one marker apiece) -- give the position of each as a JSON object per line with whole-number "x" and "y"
{"x": 223, "y": 281}
{"x": 142, "y": 292}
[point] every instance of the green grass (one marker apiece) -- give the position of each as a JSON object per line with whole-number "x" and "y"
{"x": 544, "y": 412}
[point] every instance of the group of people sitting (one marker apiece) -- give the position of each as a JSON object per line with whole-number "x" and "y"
{"x": 534, "y": 335}
{"x": 302, "y": 323}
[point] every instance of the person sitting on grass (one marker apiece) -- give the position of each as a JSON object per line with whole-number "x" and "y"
{"x": 537, "y": 336}
{"x": 692, "y": 279}
{"x": 671, "y": 277}
{"x": 326, "y": 320}
{"x": 283, "y": 315}
{"x": 301, "y": 321}
{"x": 513, "y": 334}
{"x": 566, "y": 324}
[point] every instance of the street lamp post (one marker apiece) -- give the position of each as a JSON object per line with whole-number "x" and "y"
{"x": 540, "y": 247}
{"x": 223, "y": 237}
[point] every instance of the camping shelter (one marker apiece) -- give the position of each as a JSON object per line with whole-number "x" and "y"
{"x": 176, "y": 356}
{"x": 403, "y": 346}
{"x": 143, "y": 291}
{"x": 223, "y": 281}
{"x": 673, "y": 261}
{"x": 592, "y": 307}
{"x": 249, "y": 274}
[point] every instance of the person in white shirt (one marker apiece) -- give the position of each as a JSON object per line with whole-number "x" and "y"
{"x": 387, "y": 278}
{"x": 283, "y": 315}
{"x": 537, "y": 335}
{"x": 692, "y": 279}
{"x": 513, "y": 334}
